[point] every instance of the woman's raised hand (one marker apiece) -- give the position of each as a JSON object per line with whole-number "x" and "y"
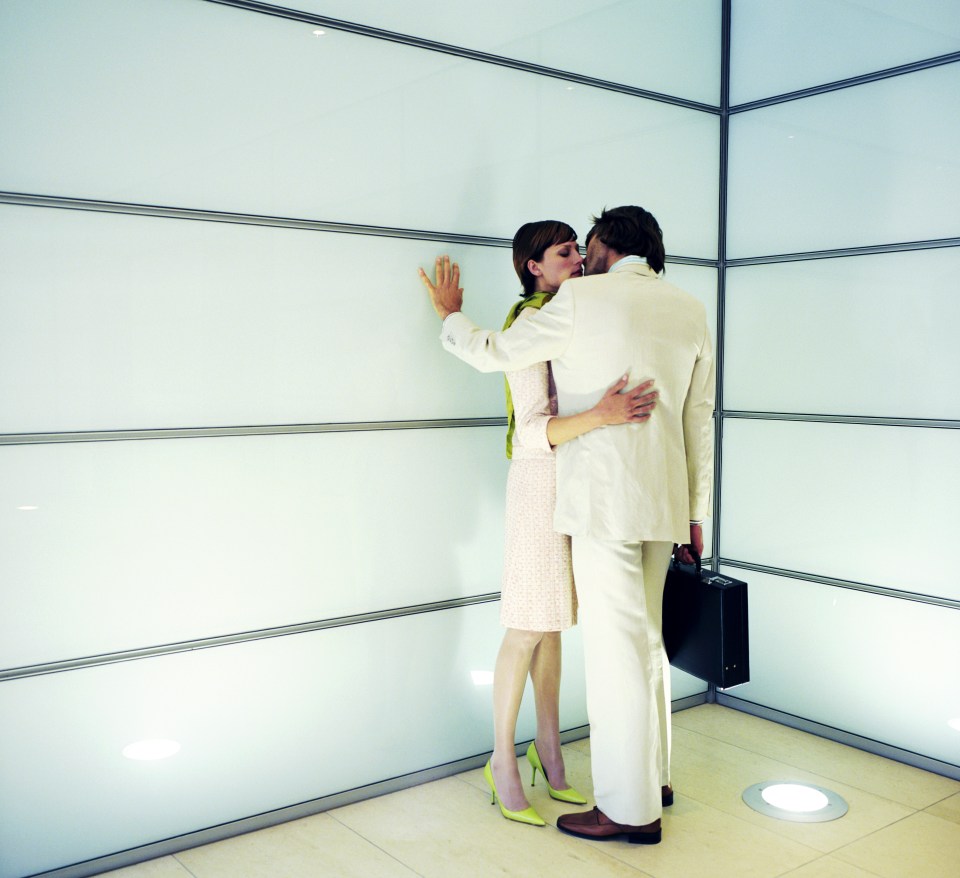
{"x": 631, "y": 407}
{"x": 445, "y": 293}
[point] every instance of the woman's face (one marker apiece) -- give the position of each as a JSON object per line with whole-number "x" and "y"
{"x": 560, "y": 262}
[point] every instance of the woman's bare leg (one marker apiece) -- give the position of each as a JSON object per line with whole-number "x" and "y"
{"x": 509, "y": 680}
{"x": 545, "y": 673}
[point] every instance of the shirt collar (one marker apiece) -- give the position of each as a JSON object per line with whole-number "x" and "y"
{"x": 627, "y": 260}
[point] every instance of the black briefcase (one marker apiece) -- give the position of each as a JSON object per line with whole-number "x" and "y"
{"x": 705, "y": 624}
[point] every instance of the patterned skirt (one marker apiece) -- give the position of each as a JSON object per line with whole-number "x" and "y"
{"x": 537, "y": 592}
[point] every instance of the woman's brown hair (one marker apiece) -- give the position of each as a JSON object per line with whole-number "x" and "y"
{"x": 531, "y": 241}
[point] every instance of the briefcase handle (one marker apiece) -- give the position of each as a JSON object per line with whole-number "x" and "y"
{"x": 677, "y": 563}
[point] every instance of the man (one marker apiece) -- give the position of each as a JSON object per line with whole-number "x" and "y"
{"x": 625, "y": 494}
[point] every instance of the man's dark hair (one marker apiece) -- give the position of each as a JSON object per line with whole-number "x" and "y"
{"x": 531, "y": 241}
{"x": 631, "y": 230}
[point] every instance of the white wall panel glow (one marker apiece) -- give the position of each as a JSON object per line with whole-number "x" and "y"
{"x": 680, "y": 42}
{"x": 187, "y": 539}
{"x": 787, "y": 45}
{"x": 878, "y": 667}
{"x": 869, "y": 165}
{"x": 863, "y": 503}
{"x": 103, "y": 330}
{"x": 838, "y": 336}
{"x": 121, "y": 322}
{"x": 136, "y": 544}
{"x": 408, "y": 138}
{"x": 262, "y": 725}
{"x": 699, "y": 281}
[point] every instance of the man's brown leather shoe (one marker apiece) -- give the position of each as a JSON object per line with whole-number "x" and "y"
{"x": 595, "y": 824}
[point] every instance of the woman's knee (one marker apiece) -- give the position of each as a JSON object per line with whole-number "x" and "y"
{"x": 523, "y": 639}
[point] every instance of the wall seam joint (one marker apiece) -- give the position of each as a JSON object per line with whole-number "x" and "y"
{"x": 462, "y": 52}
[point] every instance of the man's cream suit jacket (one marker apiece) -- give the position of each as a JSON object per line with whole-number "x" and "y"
{"x": 630, "y": 482}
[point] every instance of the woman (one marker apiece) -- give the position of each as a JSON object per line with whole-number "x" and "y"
{"x": 538, "y": 601}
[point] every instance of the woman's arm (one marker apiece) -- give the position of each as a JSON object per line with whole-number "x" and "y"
{"x": 614, "y": 408}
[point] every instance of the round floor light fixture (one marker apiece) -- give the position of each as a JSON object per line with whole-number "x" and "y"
{"x": 797, "y": 802}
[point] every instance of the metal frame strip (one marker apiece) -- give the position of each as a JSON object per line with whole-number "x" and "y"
{"x": 241, "y": 637}
{"x": 27, "y": 199}
{"x": 726, "y": 17}
{"x": 852, "y": 585}
{"x": 252, "y": 430}
{"x": 863, "y": 79}
{"x": 842, "y": 252}
{"x": 943, "y": 424}
{"x": 461, "y": 52}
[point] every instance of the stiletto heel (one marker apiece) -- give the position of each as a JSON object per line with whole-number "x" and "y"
{"x": 527, "y": 815}
{"x": 569, "y": 795}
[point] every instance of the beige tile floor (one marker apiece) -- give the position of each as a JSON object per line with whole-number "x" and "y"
{"x": 902, "y": 822}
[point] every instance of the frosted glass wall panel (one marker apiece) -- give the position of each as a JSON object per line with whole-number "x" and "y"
{"x": 789, "y": 45}
{"x": 681, "y": 41}
{"x": 262, "y": 725}
{"x": 117, "y": 545}
{"x": 841, "y": 336}
{"x": 699, "y": 281}
{"x": 180, "y": 540}
{"x": 103, "y": 329}
{"x": 243, "y": 122}
{"x": 864, "y": 503}
{"x": 877, "y": 667}
{"x": 682, "y": 685}
{"x": 869, "y": 165}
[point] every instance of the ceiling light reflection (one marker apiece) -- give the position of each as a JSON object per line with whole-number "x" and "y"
{"x": 954, "y": 723}
{"x": 151, "y": 749}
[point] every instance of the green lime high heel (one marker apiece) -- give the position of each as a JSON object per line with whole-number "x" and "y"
{"x": 569, "y": 795}
{"x": 527, "y": 815}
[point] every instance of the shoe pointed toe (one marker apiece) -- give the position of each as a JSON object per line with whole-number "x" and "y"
{"x": 568, "y": 795}
{"x": 528, "y": 815}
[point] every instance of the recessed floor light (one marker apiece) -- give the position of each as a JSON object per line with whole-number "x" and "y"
{"x": 799, "y": 803}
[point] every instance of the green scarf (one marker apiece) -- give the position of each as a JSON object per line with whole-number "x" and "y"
{"x": 533, "y": 300}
